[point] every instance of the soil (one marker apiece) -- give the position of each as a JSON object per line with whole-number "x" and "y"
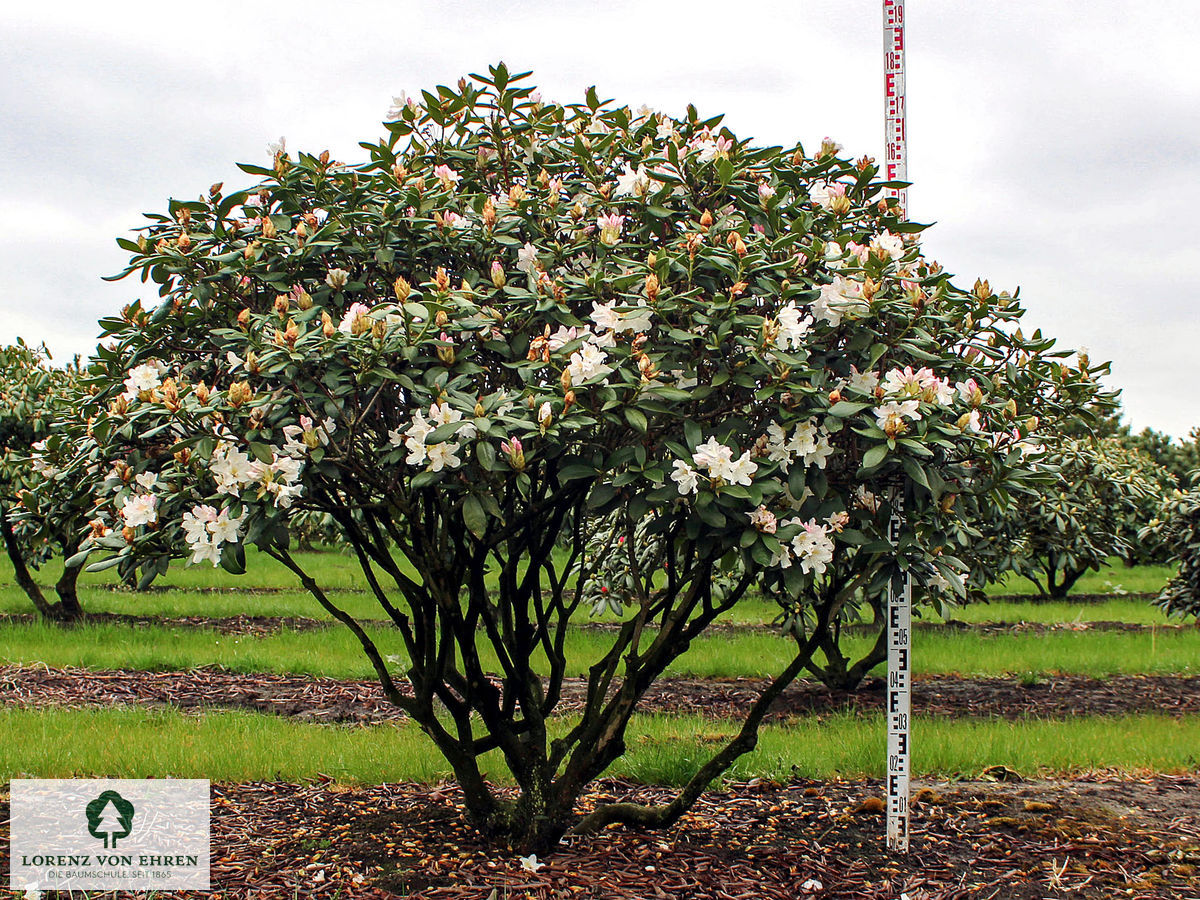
{"x": 1092, "y": 837}
{"x": 361, "y": 701}
{"x": 260, "y": 626}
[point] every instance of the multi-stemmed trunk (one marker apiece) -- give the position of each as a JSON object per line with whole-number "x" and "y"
{"x": 449, "y": 611}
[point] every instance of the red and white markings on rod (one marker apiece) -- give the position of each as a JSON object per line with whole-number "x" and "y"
{"x": 899, "y": 601}
{"x": 895, "y": 127}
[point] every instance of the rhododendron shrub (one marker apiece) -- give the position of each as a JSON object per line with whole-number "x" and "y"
{"x": 43, "y": 510}
{"x": 1089, "y": 511}
{"x": 513, "y": 318}
{"x": 1177, "y": 527}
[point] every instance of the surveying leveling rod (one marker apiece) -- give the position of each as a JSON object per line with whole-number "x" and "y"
{"x": 899, "y": 601}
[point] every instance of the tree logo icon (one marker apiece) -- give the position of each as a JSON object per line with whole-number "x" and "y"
{"x": 110, "y": 817}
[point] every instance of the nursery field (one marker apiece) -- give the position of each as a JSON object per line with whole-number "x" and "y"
{"x": 1055, "y": 741}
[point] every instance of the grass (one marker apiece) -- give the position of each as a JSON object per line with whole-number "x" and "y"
{"x": 235, "y": 746}
{"x": 1111, "y": 579}
{"x": 1118, "y": 609}
{"x": 270, "y": 590}
{"x": 336, "y": 652}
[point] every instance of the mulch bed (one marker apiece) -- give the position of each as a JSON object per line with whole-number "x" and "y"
{"x": 1095, "y": 837}
{"x": 332, "y": 700}
{"x": 261, "y": 626}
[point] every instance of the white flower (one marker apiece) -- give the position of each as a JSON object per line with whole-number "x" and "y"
{"x": 442, "y": 413}
{"x": 907, "y": 383}
{"x": 841, "y": 297}
{"x": 226, "y": 529}
{"x": 398, "y": 104}
{"x": 231, "y": 468}
{"x": 353, "y": 314}
{"x": 443, "y": 456}
{"x": 545, "y": 415}
{"x": 712, "y": 454}
{"x": 804, "y": 438}
{"x": 739, "y": 471}
{"x": 564, "y": 336}
{"x": 777, "y": 449}
{"x": 285, "y": 494}
{"x": 685, "y": 477}
{"x": 665, "y": 130}
{"x": 633, "y": 182}
{"x": 636, "y": 319}
{"x": 970, "y": 422}
{"x": 337, "y": 278}
{"x": 195, "y": 523}
{"x": 969, "y": 391}
{"x": 763, "y": 519}
{"x": 941, "y": 392}
{"x": 813, "y": 547}
{"x": 142, "y": 378}
{"x": 862, "y": 382}
{"x": 812, "y": 885}
{"x": 792, "y": 327}
{"x": 527, "y": 258}
{"x": 147, "y": 480}
{"x": 605, "y": 317}
{"x": 530, "y": 863}
{"x": 586, "y": 363}
{"x": 286, "y": 468}
{"x": 446, "y": 176}
{"x": 888, "y": 244}
{"x": 140, "y": 510}
{"x": 894, "y": 411}
{"x": 865, "y": 499}
{"x": 417, "y": 432}
{"x": 206, "y": 550}
{"x": 299, "y": 439}
{"x": 820, "y": 452}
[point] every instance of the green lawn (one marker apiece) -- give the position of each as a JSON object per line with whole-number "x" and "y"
{"x": 270, "y": 590}
{"x": 335, "y": 652}
{"x": 235, "y": 746}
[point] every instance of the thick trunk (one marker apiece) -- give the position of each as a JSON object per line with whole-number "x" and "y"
{"x": 837, "y": 676}
{"x": 68, "y": 595}
{"x": 1060, "y": 589}
{"x": 57, "y": 612}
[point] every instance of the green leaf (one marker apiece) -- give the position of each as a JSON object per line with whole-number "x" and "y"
{"x": 474, "y": 516}
{"x": 874, "y": 456}
{"x": 233, "y": 558}
{"x": 570, "y": 473}
{"x": 844, "y": 408}
{"x": 636, "y": 419}
{"x": 262, "y": 453}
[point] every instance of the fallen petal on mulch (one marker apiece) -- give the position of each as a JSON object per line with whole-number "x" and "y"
{"x": 1095, "y": 837}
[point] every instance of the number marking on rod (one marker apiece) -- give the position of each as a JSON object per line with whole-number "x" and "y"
{"x": 894, "y": 112}
{"x": 899, "y": 690}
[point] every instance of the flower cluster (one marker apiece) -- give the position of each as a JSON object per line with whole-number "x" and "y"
{"x": 717, "y": 461}
{"x": 205, "y": 529}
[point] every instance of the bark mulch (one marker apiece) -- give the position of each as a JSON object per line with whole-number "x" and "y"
{"x": 1093, "y": 837}
{"x": 261, "y": 626}
{"x": 334, "y": 700}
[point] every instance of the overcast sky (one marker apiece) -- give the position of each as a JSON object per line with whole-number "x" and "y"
{"x": 1056, "y": 145}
